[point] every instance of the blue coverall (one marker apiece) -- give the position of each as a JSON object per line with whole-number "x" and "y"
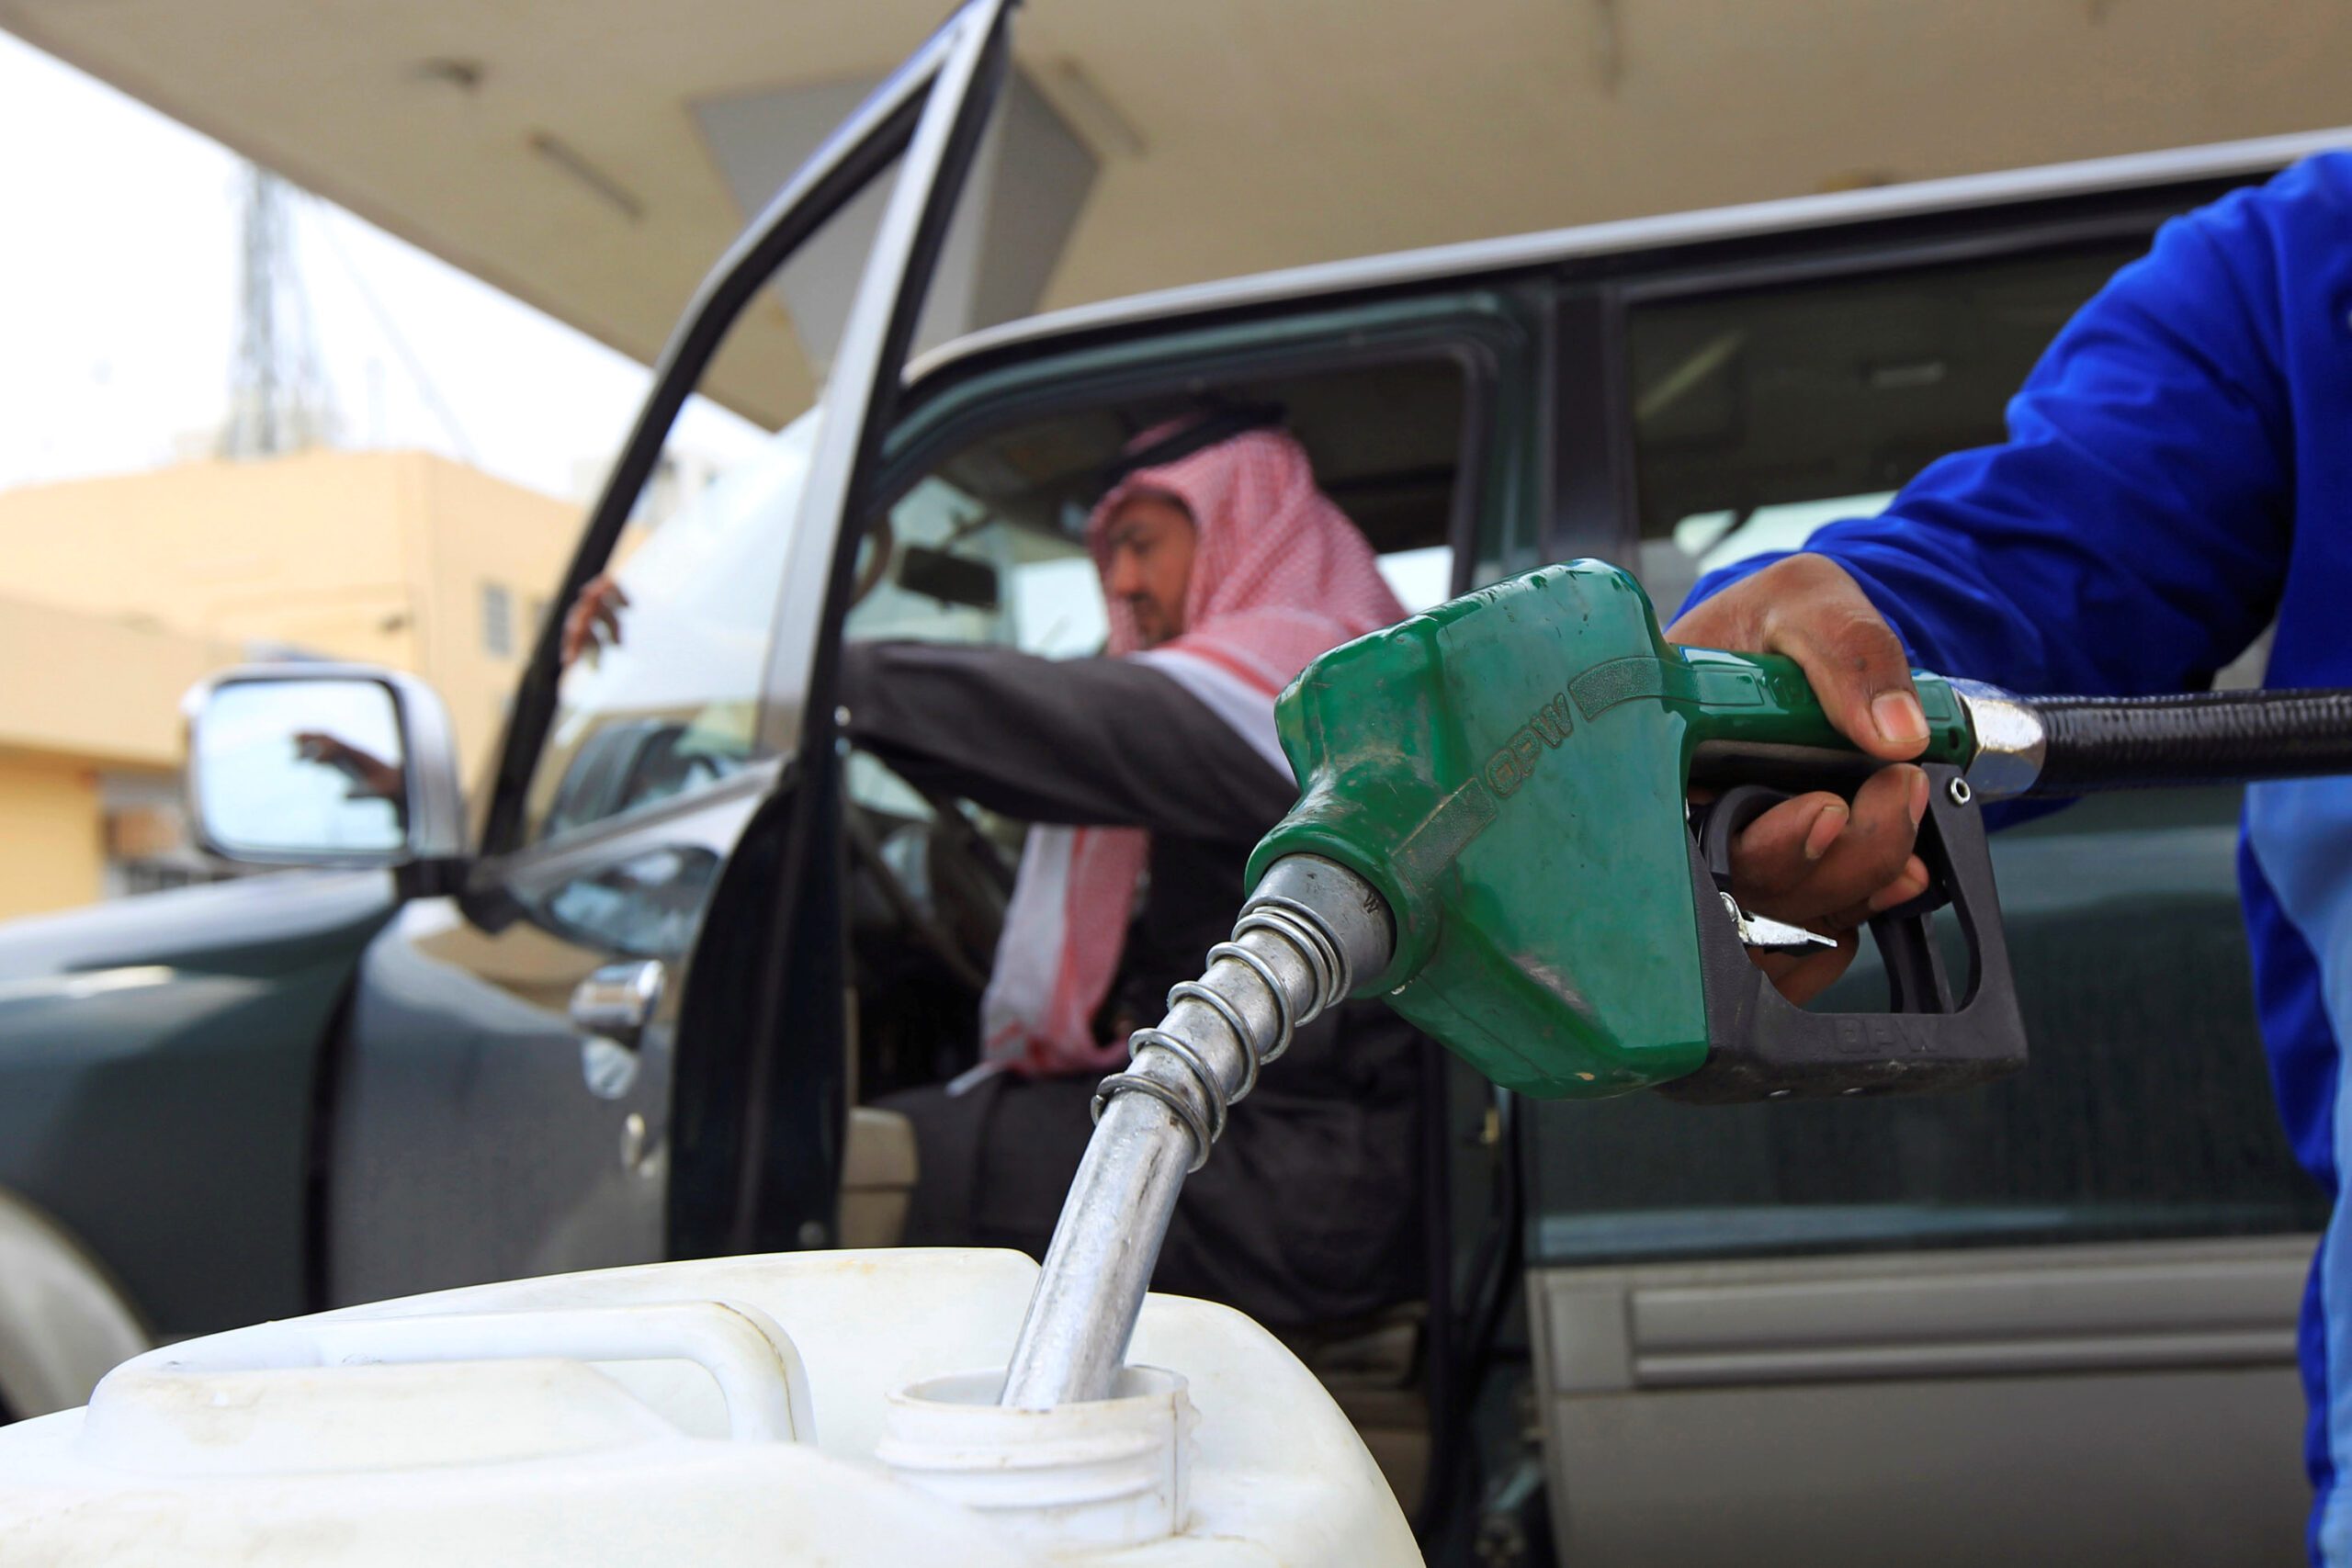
{"x": 2178, "y": 470}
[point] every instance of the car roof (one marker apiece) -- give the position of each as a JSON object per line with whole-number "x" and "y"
{"x": 2089, "y": 177}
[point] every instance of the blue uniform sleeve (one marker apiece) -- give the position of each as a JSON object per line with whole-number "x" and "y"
{"x": 2133, "y": 533}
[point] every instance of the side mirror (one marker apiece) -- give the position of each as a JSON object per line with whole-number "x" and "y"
{"x": 323, "y": 764}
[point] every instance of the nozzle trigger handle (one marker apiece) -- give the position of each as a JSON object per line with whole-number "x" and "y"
{"x": 1718, "y": 821}
{"x": 1763, "y": 1047}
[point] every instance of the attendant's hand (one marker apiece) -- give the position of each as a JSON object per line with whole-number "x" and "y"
{"x": 1815, "y": 860}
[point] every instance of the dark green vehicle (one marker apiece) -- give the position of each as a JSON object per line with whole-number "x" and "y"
{"x": 635, "y": 1008}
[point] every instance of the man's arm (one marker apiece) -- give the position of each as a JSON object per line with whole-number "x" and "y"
{"x": 2130, "y": 535}
{"x": 1091, "y": 742}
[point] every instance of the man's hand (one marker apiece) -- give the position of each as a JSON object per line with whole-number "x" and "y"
{"x": 594, "y": 619}
{"x": 371, "y": 777}
{"x": 1815, "y": 860}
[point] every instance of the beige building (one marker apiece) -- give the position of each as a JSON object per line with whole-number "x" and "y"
{"x": 119, "y": 592}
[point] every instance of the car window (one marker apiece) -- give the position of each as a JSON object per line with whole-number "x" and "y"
{"x": 989, "y": 546}
{"x": 666, "y": 699}
{"x": 670, "y": 702}
{"x": 1692, "y": 547}
{"x": 1760, "y": 415}
{"x": 2145, "y": 1110}
{"x": 945, "y": 566}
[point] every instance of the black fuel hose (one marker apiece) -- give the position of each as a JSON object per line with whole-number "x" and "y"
{"x": 2106, "y": 743}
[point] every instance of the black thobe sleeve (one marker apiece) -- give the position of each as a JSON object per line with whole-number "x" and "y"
{"x": 1090, "y": 742}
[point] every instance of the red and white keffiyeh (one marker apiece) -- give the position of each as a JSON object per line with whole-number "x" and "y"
{"x": 1279, "y": 575}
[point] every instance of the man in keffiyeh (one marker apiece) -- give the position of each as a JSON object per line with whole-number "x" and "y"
{"x": 1149, "y": 773}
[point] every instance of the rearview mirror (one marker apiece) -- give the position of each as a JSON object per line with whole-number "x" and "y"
{"x": 948, "y": 578}
{"x": 323, "y": 765}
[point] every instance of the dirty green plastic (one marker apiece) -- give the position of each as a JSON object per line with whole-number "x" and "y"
{"x": 1510, "y": 771}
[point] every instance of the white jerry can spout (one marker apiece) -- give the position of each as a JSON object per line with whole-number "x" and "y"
{"x": 1103, "y": 1473}
{"x": 803, "y": 1408}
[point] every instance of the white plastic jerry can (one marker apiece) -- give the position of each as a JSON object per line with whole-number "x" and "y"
{"x": 832, "y": 1407}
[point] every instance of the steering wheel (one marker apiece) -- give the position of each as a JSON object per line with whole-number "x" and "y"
{"x": 968, "y": 871}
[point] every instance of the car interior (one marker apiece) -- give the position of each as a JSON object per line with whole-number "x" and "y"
{"x": 988, "y": 548}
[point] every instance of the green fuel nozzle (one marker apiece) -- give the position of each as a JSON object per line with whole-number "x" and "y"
{"x": 1512, "y": 772}
{"x": 1499, "y": 835}
{"x": 1494, "y": 838}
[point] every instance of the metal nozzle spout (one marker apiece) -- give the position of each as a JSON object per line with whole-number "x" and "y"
{"x": 1310, "y": 928}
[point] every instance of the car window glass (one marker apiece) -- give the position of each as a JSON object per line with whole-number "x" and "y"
{"x": 670, "y": 700}
{"x": 2145, "y": 1111}
{"x": 945, "y": 567}
{"x": 644, "y": 907}
{"x": 1760, "y": 415}
{"x": 1692, "y": 547}
{"x": 664, "y": 698}
{"x": 988, "y": 548}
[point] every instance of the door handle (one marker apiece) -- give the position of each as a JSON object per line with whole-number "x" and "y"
{"x": 615, "y": 1003}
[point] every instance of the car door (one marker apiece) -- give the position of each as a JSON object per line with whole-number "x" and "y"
{"x": 2052, "y": 1320}
{"x": 503, "y": 1102}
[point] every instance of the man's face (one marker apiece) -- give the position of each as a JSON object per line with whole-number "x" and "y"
{"x": 1150, "y": 538}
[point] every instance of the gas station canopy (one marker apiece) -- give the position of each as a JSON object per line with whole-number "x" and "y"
{"x": 592, "y": 157}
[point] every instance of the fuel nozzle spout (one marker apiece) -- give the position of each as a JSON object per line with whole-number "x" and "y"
{"x": 1309, "y": 932}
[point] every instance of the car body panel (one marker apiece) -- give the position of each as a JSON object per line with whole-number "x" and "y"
{"x": 2037, "y": 1405}
{"x": 158, "y": 1066}
{"x": 1796, "y": 216}
{"x": 1948, "y": 1395}
{"x": 477, "y": 1133}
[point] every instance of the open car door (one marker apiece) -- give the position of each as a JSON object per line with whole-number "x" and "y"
{"x": 509, "y": 1102}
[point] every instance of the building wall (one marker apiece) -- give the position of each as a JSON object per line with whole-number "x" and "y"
{"x": 303, "y": 550}
{"x": 123, "y": 593}
{"x": 99, "y": 689}
{"x": 50, "y": 820}
{"x": 477, "y": 541}
{"x": 374, "y": 556}
{"x": 88, "y": 699}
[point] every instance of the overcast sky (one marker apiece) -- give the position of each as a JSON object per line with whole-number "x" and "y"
{"x": 118, "y": 311}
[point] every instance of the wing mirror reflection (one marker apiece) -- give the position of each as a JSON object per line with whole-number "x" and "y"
{"x": 323, "y": 765}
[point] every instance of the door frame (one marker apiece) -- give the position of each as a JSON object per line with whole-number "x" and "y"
{"x": 856, "y": 151}
{"x": 786, "y": 1188}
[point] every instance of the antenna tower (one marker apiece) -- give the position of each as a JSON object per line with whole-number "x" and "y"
{"x": 278, "y": 395}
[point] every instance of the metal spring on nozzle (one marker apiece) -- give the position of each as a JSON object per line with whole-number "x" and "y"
{"x": 1307, "y": 935}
